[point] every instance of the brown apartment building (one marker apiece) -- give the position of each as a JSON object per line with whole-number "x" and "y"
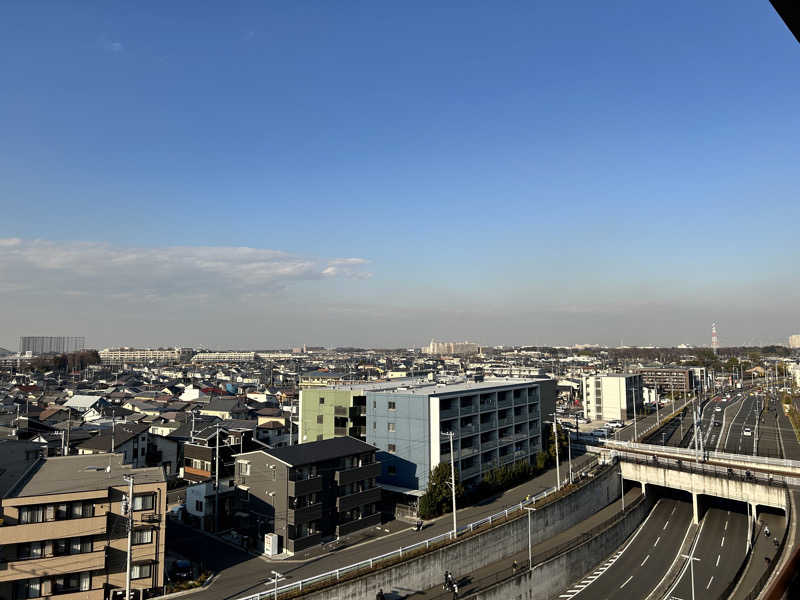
{"x": 64, "y": 529}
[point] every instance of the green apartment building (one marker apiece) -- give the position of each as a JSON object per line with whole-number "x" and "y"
{"x": 327, "y": 413}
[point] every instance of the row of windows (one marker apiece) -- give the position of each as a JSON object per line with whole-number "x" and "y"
{"x": 62, "y": 547}
{"x": 63, "y": 584}
{"x": 55, "y": 512}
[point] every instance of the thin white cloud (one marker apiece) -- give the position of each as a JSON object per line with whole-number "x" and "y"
{"x": 110, "y": 45}
{"x": 100, "y": 269}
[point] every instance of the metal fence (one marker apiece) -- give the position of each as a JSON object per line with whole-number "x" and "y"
{"x": 378, "y": 561}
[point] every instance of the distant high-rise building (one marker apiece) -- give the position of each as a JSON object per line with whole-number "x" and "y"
{"x": 452, "y": 348}
{"x": 714, "y": 338}
{"x": 794, "y": 341}
{"x": 37, "y": 345}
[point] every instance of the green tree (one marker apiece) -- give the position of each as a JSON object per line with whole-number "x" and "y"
{"x": 437, "y": 499}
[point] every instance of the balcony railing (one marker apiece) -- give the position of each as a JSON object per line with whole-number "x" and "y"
{"x": 488, "y": 425}
{"x": 470, "y": 471}
{"x": 369, "y": 471}
{"x": 53, "y": 565}
{"x": 488, "y": 406}
{"x": 33, "y": 532}
{"x": 467, "y": 451}
{"x": 488, "y": 445}
{"x": 505, "y": 403}
{"x": 304, "y": 487}
{"x": 305, "y": 514}
{"x": 448, "y": 413}
{"x": 351, "y": 501}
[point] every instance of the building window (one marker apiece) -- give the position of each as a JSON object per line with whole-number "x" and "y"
{"x": 28, "y": 588}
{"x": 392, "y": 448}
{"x": 31, "y": 550}
{"x": 144, "y": 502}
{"x": 142, "y": 536}
{"x": 390, "y": 426}
{"x": 391, "y": 470}
{"x": 374, "y": 425}
{"x": 141, "y": 571}
{"x": 392, "y": 405}
{"x": 69, "y": 583}
{"x": 319, "y": 437}
{"x": 322, "y": 400}
{"x": 319, "y": 419}
{"x": 198, "y": 506}
{"x": 31, "y": 514}
{"x": 374, "y": 404}
{"x": 244, "y": 468}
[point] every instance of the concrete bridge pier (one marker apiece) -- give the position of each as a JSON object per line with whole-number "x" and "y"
{"x": 695, "y": 510}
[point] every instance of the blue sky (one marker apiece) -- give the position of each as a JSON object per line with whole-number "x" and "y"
{"x": 514, "y": 172}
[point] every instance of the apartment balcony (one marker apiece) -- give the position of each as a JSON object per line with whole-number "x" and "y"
{"x": 193, "y": 474}
{"x": 450, "y": 426}
{"x": 33, "y": 532}
{"x": 485, "y": 406}
{"x": 53, "y": 565}
{"x": 340, "y": 431}
{"x": 351, "y": 526}
{"x": 520, "y": 454}
{"x": 369, "y": 471}
{"x": 520, "y": 435}
{"x": 506, "y": 439}
{"x": 469, "y": 409}
{"x": 488, "y": 445}
{"x": 448, "y": 413}
{"x": 305, "y": 514}
{"x": 468, "y": 430}
{"x": 468, "y": 451}
{"x": 505, "y": 421}
{"x": 507, "y": 458}
{"x": 305, "y": 486}
{"x": 488, "y": 465}
{"x": 351, "y": 501}
{"x": 470, "y": 472}
{"x": 488, "y": 425}
{"x": 505, "y": 403}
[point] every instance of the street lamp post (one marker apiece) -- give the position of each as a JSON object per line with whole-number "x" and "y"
{"x": 691, "y": 567}
{"x": 530, "y": 510}
{"x": 569, "y": 450}
{"x": 274, "y": 579}
{"x": 555, "y": 438}
{"x": 450, "y": 435}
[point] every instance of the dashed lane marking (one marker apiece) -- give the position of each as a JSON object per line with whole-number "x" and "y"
{"x": 716, "y": 565}
{"x": 666, "y": 524}
{"x": 626, "y": 582}
{"x": 709, "y": 582}
{"x": 646, "y": 558}
{"x": 657, "y": 540}
{"x": 722, "y": 543}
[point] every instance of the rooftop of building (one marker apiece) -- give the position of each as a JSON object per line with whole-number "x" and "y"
{"x": 81, "y": 473}
{"x": 314, "y": 452}
{"x": 420, "y": 386}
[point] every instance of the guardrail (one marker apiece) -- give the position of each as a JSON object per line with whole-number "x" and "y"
{"x": 722, "y": 456}
{"x": 377, "y": 561}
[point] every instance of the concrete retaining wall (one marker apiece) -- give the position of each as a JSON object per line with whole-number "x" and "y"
{"x": 549, "y": 579}
{"x": 425, "y": 572}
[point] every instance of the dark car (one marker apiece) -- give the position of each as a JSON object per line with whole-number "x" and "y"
{"x": 182, "y": 570}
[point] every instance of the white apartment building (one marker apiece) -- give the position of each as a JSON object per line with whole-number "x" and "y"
{"x": 224, "y": 357}
{"x": 794, "y": 341}
{"x": 119, "y": 356}
{"x": 613, "y": 396}
{"x": 452, "y": 348}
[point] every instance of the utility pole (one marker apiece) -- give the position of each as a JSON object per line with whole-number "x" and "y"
{"x": 450, "y": 435}
{"x": 113, "y": 423}
{"x": 569, "y": 450}
{"x": 216, "y": 486}
{"x": 555, "y": 441}
{"x": 621, "y": 486}
{"x": 129, "y": 508}
{"x": 530, "y": 509}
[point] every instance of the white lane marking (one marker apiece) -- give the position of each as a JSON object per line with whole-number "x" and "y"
{"x": 722, "y": 543}
{"x": 657, "y": 540}
{"x": 726, "y": 526}
{"x": 666, "y": 524}
{"x": 626, "y": 582}
{"x": 598, "y": 572}
{"x": 709, "y": 582}
{"x": 716, "y": 565}
{"x": 646, "y": 558}
{"x": 686, "y": 563}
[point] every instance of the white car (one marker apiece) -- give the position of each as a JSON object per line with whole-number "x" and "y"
{"x": 718, "y": 409}
{"x": 746, "y": 431}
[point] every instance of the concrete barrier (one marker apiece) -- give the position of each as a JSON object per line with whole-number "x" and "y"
{"x": 550, "y": 578}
